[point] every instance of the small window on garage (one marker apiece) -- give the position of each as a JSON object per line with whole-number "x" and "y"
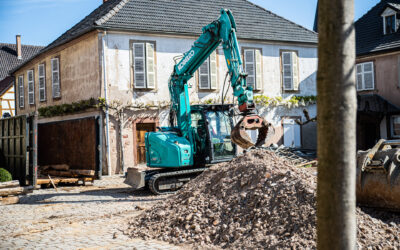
{"x": 395, "y": 126}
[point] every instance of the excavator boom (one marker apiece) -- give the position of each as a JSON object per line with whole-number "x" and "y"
{"x": 221, "y": 31}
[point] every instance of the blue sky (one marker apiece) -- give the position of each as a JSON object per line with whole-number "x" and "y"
{"x": 42, "y": 21}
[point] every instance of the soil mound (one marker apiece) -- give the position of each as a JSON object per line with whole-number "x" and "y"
{"x": 257, "y": 200}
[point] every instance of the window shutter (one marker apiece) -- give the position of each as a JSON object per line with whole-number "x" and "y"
{"x": 21, "y": 91}
{"x": 31, "y": 87}
{"x": 151, "y": 75}
{"x": 295, "y": 69}
{"x": 249, "y": 67}
{"x": 368, "y": 75}
{"x": 359, "y": 77}
{"x": 259, "y": 84}
{"x": 42, "y": 82}
{"x": 213, "y": 70}
{"x": 139, "y": 77}
{"x": 287, "y": 71}
{"x": 204, "y": 81}
{"x": 55, "y": 77}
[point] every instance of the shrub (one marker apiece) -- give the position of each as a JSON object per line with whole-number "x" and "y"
{"x": 5, "y": 175}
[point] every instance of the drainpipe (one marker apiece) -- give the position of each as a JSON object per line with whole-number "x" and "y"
{"x": 105, "y": 97}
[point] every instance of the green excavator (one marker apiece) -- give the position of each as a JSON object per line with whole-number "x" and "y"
{"x": 200, "y": 135}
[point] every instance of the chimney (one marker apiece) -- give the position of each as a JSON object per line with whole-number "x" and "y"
{"x": 104, "y": 1}
{"x": 19, "y": 49}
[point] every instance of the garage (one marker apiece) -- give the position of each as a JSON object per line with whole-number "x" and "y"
{"x": 70, "y": 148}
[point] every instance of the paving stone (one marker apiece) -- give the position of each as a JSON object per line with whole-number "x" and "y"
{"x": 76, "y": 217}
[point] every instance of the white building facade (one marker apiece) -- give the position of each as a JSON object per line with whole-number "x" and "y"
{"x": 284, "y": 70}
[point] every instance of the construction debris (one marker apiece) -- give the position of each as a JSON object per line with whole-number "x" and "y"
{"x": 258, "y": 200}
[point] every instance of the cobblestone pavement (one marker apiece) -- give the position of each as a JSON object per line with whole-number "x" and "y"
{"x": 77, "y": 217}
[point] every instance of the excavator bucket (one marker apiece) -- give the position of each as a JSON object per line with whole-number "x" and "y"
{"x": 378, "y": 175}
{"x": 240, "y": 137}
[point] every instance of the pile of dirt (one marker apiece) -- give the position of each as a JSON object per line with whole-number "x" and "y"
{"x": 257, "y": 200}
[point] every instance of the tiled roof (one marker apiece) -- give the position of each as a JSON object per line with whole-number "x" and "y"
{"x": 8, "y": 56}
{"x": 187, "y": 17}
{"x": 5, "y": 84}
{"x": 369, "y": 31}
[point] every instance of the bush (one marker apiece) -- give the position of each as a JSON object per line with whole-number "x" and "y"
{"x": 5, "y": 175}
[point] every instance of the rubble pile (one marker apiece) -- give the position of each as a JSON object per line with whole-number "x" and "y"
{"x": 257, "y": 200}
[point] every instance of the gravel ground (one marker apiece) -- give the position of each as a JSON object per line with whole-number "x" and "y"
{"x": 77, "y": 217}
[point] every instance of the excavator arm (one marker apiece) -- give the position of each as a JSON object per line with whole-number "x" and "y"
{"x": 221, "y": 31}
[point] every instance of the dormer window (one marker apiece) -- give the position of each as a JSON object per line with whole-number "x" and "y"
{"x": 390, "y": 24}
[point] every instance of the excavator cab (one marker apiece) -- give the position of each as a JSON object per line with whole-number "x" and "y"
{"x": 212, "y": 125}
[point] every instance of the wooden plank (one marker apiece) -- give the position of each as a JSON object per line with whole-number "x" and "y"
{"x": 10, "y": 200}
{"x": 61, "y": 173}
{"x": 52, "y": 183}
{"x": 13, "y": 191}
{"x": 57, "y": 180}
{"x": 59, "y": 167}
{"x": 83, "y": 172}
{"x": 9, "y": 184}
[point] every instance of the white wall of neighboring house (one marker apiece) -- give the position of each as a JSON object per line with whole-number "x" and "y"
{"x": 7, "y": 102}
{"x": 118, "y": 61}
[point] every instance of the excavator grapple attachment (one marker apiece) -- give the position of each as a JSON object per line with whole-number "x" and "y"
{"x": 240, "y": 137}
{"x": 378, "y": 175}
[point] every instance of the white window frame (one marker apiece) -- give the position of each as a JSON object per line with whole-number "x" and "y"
{"x": 31, "y": 87}
{"x": 21, "y": 93}
{"x": 362, "y": 73}
{"x": 211, "y": 73}
{"x": 392, "y": 126}
{"x": 388, "y": 13}
{"x": 53, "y": 83}
{"x": 294, "y": 71}
{"x": 148, "y": 60}
{"x": 42, "y": 77}
{"x": 257, "y": 66}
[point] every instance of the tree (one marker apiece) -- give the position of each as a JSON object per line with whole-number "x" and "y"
{"x": 336, "y": 202}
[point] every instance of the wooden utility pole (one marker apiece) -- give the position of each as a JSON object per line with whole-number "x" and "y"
{"x": 337, "y": 107}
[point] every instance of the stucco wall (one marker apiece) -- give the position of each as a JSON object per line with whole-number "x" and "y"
{"x": 79, "y": 73}
{"x": 118, "y": 77}
{"x": 387, "y": 82}
{"x": 119, "y": 74}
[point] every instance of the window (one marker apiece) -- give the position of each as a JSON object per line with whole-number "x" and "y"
{"x": 55, "y": 77}
{"x": 143, "y": 65}
{"x": 395, "y": 126}
{"x": 21, "y": 93}
{"x": 42, "y": 82}
{"x": 208, "y": 73}
{"x": 253, "y": 68}
{"x": 390, "y": 24}
{"x": 31, "y": 87}
{"x": 365, "y": 76}
{"x": 290, "y": 71}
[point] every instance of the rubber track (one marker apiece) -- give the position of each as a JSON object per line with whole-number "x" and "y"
{"x": 154, "y": 178}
